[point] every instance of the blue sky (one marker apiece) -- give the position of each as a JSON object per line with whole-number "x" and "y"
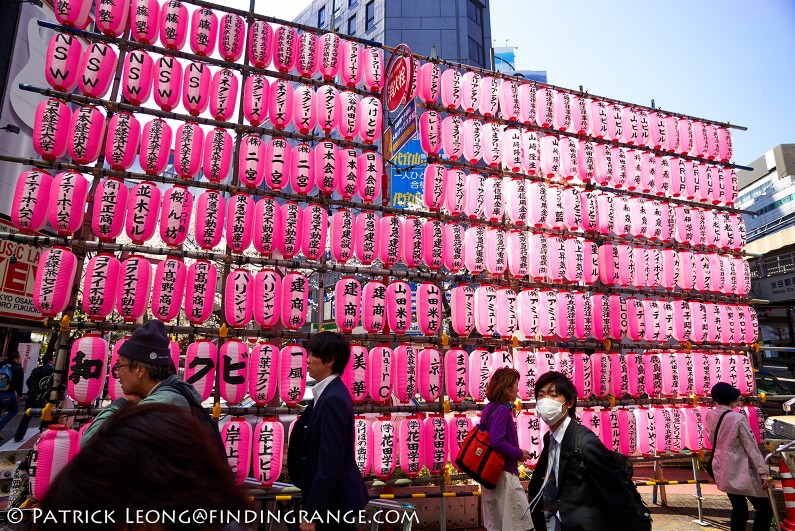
{"x": 728, "y": 60}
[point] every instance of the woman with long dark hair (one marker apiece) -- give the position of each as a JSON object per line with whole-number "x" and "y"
{"x": 149, "y": 457}
{"x": 504, "y": 507}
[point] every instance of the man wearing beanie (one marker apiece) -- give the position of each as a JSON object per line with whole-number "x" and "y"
{"x": 147, "y": 374}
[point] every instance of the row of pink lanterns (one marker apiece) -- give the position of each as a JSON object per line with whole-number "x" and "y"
{"x": 57, "y": 131}
{"x": 526, "y": 151}
{"x": 541, "y": 205}
{"x": 532, "y": 104}
{"x": 284, "y": 47}
{"x": 265, "y": 370}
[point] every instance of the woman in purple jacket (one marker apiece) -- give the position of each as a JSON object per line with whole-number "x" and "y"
{"x": 504, "y": 507}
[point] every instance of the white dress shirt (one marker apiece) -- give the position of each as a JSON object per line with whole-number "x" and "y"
{"x": 318, "y": 388}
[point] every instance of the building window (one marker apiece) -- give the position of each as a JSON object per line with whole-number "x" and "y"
{"x": 475, "y": 51}
{"x": 321, "y": 18}
{"x": 369, "y": 16}
{"x": 352, "y": 25}
{"x": 352, "y": 3}
{"x": 475, "y": 12}
{"x": 336, "y": 7}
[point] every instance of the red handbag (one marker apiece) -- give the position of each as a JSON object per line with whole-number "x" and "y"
{"x": 478, "y": 460}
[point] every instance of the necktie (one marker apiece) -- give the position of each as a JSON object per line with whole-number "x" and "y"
{"x": 551, "y": 488}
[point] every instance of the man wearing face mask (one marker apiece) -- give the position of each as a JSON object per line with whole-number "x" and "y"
{"x": 568, "y": 492}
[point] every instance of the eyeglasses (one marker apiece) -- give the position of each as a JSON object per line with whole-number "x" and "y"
{"x": 115, "y": 369}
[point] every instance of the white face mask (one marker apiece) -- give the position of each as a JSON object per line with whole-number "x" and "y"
{"x": 550, "y": 411}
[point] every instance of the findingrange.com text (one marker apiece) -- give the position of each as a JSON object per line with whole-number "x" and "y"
{"x": 208, "y": 516}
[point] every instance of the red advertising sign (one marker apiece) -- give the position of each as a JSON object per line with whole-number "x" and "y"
{"x": 399, "y": 75}
{"x": 18, "y": 263}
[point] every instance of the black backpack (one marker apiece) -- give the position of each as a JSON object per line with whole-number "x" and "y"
{"x": 200, "y": 413}
{"x": 624, "y": 466}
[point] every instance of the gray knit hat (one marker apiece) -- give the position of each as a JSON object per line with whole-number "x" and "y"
{"x": 149, "y": 344}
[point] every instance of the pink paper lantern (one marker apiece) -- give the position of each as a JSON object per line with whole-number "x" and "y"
{"x": 99, "y": 286}
{"x": 155, "y": 146}
{"x": 390, "y": 248}
{"x": 434, "y": 186}
{"x": 462, "y": 309}
{"x": 111, "y": 18}
{"x": 68, "y": 193}
{"x": 356, "y": 375}
{"x": 435, "y": 434}
{"x": 329, "y": 50}
{"x": 202, "y": 277}
{"x": 472, "y": 148}
{"x": 267, "y": 297}
{"x": 237, "y": 438}
{"x": 51, "y": 129}
{"x": 518, "y": 247}
{"x": 579, "y": 115}
{"x": 367, "y": 237}
{"x": 342, "y": 235}
{"x": 304, "y": 109}
{"x": 398, "y": 306}
{"x": 110, "y": 203}
{"x": 137, "y": 77}
{"x": 196, "y": 88}
{"x": 430, "y": 132}
{"x": 134, "y": 286}
{"x": 203, "y": 31}
{"x": 452, "y": 136}
{"x": 188, "y": 143}
{"x": 374, "y": 307}
{"x": 201, "y": 359}
{"x": 168, "y": 288}
{"x": 433, "y": 243}
{"x": 302, "y": 169}
{"x": 55, "y": 277}
{"x": 57, "y": 446}
{"x": 174, "y": 25}
{"x": 453, "y": 247}
{"x": 142, "y": 211}
{"x": 292, "y": 225}
{"x": 292, "y": 377}
{"x": 370, "y": 118}
{"x": 286, "y": 48}
{"x": 232, "y": 37}
{"x": 260, "y": 43}
{"x": 223, "y": 95}
{"x": 348, "y": 121}
{"x": 233, "y": 369}
{"x": 451, "y": 86}
{"x": 31, "y": 200}
{"x": 295, "y": 292}
{"x": 239, "y": 229}
{"x": 313, "y": 243}
{"x": 62, "y": 62}
{"x": 251, "y": 161}
{"x": 404, "y": 373}
{"x": 352, "y": 63}
{"x": 411, "y": 241}
{"x": 490, "y": 96}
{"x": 307, "y": 54}
{"x": 429, "y": 306}
{"x": 545, "y": 107}
{"x": 263, "y": 377}
{"x": 267, "y": 443}
{"x": 385, "y": 435}
{"x": 428, "y": 82}
{"x": 496, "y": 251}
{"x": 256, "y": 92}
{"x": 456, "y": 364}
{"x": 470, "y": 90}
{"x": 329, "y": 108}
{"x": 97, "y": 70}
{"x": 479, "y": 374}
{"x": 381, "y": 363}
{"x": 347, "y": 302}
{"x": 217, "y": 157}
{"x": 210, "y": 214}
{"x": 73, "y": 13}
{"x": 369, "y": 176}
{"x": 278, "y": 157}
{"x": 492, "y": 144}
{"x": 121, "y": 145}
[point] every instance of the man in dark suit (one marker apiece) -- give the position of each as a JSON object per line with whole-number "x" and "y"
{"x": 568, "y": 492}
{"x": 320, "y": 456}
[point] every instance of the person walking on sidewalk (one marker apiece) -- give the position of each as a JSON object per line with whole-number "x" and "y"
{"x": 739, "y": 467}
{"x": 38, "y": 386}
{"x": 11, "y": 376}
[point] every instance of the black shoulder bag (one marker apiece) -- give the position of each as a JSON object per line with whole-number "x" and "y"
{"x": 708, "y": 463}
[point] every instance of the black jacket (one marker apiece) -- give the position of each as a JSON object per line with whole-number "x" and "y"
{"x": 595, "y": 499}
{"x": 320, "y": 456}
{"x": 17, "y": 375}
